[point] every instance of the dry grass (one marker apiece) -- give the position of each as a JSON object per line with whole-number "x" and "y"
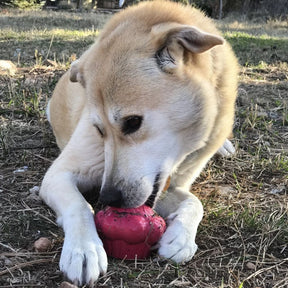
{"x": 272, "y": 27}
{"x": 243, "y": 239}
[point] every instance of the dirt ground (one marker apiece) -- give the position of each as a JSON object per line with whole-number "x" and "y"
{"x": 243, "y": 238}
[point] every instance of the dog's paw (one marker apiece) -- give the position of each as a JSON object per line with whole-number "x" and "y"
{"x": 178, "y": 241}
{"x": 227, "y": 149}
{"x": 83, "y": 260}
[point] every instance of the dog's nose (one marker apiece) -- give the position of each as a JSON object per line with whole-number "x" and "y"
{"x": 111, "y": 196}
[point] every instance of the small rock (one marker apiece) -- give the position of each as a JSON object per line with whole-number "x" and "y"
{"x": 227, "y": 190}
{"x": 21, "y": 170}
{"x": 43, "y": 244}
{"x": 7, "y": 67}
{"x": 279, "y": 190}
{"x": 7, "y": 261}
{"x": 251, "y": 266}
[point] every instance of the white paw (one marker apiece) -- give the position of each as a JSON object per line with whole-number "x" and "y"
{"x": 83, "y": 259}
{"x": 178, "y": 241}
{"x": 227, "y": 149}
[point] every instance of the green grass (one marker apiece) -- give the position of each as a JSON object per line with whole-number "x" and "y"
{"x": 252, "y": 49}
{"x": 258, "y": 41}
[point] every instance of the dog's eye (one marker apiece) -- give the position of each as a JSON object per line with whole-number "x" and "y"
{"x": 131, "y": 124}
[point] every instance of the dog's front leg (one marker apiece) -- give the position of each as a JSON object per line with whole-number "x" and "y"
{"x": 183, "y": 212}
{"x": 83, "y": 257}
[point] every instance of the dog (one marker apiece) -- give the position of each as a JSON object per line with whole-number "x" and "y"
{"x": 152, "y": 99}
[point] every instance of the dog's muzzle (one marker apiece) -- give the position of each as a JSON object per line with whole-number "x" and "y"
{"x": 112, "y": 196}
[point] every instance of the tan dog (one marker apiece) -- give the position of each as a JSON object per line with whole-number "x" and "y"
{"x": 152, "y": 98}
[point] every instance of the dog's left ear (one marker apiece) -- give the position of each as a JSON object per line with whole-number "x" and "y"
{"x": 173, "y": 39}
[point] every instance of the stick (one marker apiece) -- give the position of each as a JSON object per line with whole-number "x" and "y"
{"x": 265, "y": 269}
{"x": 23, "y": 265}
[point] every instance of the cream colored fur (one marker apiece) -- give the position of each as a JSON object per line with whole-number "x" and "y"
{"x": 152, "y": 98}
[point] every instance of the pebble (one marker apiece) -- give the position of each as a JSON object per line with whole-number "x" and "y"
{"x": 251, "y": 266}
{"x": 43, "y": 244}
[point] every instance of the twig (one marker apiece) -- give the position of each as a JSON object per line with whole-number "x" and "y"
{"x": 23, "y": 265}
{"x": 260, "y": 271}
{"x": 29, "y": 148}
{"x": 8, "y": 247}
{"x": 46, "y": 218}
{"x": 50, "y": 45}
{"x": 22, "y": 285}
{"x": 41, "y": 157}
{"x": 22, "y": 254}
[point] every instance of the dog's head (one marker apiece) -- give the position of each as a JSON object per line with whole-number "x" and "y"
{"x": 148, "y": 80}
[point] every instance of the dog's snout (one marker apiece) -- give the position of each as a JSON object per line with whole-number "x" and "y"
{"x": 111, "y": 196}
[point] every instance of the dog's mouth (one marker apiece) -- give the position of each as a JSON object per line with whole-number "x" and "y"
{"x": 150, "y": 201}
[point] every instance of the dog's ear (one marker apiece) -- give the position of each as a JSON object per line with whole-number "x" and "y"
{"x": 76, "y": 74}
{"x": 174, "y": 39}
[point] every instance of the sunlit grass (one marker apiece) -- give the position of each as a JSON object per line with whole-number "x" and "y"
{"x": 257, "y": 27}
{"x": 39, "y": 34}
{"x": 27, "y": 36}
{"x": 252, "y": 49}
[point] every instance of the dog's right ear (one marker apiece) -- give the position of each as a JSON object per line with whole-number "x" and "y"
{"x": 76, "y": 73}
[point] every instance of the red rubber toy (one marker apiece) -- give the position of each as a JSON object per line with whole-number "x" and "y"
{"x": 129, "y": 233}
